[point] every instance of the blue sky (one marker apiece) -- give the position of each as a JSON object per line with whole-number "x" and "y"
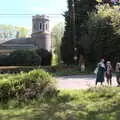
{"x": 31, "y": 7}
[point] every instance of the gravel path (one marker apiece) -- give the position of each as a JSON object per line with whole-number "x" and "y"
{"x": 79, "y": 82}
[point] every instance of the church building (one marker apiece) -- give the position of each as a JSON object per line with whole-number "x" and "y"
{"x": 40, "y": 37}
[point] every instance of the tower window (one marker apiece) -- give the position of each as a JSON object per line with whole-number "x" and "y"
{"x": 46, "y": 27}
{"x": 43, "y": 27}
{"x": 40, "y": 26}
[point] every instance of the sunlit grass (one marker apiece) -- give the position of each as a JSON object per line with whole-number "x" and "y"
{"x": 93, "y": 104}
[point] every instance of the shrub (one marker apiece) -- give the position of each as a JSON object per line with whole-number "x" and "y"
{"x": 24, "y": 57}
{"x": 45, "y": 56}
{"x": 4, "y": 60}
{"x": 26, "y": 86}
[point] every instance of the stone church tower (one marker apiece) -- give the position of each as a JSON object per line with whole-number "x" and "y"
{"x": 40, "y": 32}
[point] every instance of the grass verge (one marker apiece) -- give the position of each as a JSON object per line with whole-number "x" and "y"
{"x": 93, "y": 104}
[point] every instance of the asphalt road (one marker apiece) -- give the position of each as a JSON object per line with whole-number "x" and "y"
{"x": 79, "y": 82}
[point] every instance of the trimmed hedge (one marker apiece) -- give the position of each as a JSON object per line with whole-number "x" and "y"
{"x": 26, "y": 58}
{"x": 46, "y": 56}
{"x": 27, "y": 86}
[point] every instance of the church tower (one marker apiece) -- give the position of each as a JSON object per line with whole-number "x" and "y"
{"x": 40, "y": 32}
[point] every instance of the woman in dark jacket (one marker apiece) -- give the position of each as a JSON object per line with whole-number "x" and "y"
{"x": 101, "y": 71}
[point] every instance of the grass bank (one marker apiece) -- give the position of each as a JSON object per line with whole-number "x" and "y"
{"x": 93, "y": 104}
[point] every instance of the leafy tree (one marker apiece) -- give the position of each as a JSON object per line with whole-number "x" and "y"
{"x": 9, "y": 31}
{"x": 111, "y": 2}
{"x": 103, "y": 34}
{"x": 22, "y": 32}
{"x": 45, "y": 56}
{"x": 57, "y": 34}
{"x": 71, "y": 39}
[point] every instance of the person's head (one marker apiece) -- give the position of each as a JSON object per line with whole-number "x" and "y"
{"x": 118, "y": 64}
{"x": 102, "y": 60}
{"x": 108, "y": 63}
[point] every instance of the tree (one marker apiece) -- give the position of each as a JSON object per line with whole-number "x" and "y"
{"x": 22, "y": 32}
{"x": 103, "y": 31}
{"x": 9, "y": 31}
{"x": 71, "y": 41}
{"x": 57, "y": 34}
{"x": 45, "y": 56}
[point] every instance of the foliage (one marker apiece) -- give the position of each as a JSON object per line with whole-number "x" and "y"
{"x": 58, "y": 70}
{"x": 46, "y": 56}
{"x": 103, "y": 34}
{"x": 26, "y": 86}
{"x": 93, "y": 104}
{"x": 54, "y": 60}
{"x": 110, "y": 2}
{"x": 66, "y": 70}
{"x": 21, "y": 32}
{"x": 9, "y": 31}
{"x": 24, "y": 57}
{"x": 57, "y": 34}
{"x": 73, "y": 33}
{"x": 96, "y": 31}
{"x": 4, "y": 60}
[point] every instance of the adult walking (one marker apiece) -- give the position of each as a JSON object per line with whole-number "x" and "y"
{"x": 117, "y": 70}
{"x": 109, "y": 72}
{"x": 101, "y": 71}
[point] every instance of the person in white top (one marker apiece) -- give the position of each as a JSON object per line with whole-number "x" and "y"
{"x": 109, "y": 72}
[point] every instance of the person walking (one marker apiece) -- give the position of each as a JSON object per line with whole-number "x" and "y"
{"x": 109, "y": 72}
{"x": 101, "y": 71}
{"x": 117, "y": 70}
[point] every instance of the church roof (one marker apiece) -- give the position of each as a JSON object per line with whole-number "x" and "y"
{"x": 19, "y": 43}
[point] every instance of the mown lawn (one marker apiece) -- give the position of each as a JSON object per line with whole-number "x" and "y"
{"x": 93, "y": 104}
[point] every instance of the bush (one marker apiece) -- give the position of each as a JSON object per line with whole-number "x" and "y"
{"x": 45, "y": 56}
{"x": 4, "y": 60}
{"x": 27, "y": 86}
{"x": 24, "y": 57}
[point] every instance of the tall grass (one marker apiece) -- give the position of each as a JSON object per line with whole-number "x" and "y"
{"x": 25, "y": 86}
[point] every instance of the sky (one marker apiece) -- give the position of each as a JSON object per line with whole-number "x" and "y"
{"x": 9, "y": 10}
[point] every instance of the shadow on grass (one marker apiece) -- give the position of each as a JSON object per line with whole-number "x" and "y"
{"x": 86, "y": 106}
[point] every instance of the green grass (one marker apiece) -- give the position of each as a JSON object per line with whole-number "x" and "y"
{"x": 93, "y": 104}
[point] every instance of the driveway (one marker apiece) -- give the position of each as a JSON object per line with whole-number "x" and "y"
{"x": 79, "y": 82}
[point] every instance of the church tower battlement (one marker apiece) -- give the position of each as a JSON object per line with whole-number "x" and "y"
{"x": 40, "y": 32}
{"x": 40, "y": 24}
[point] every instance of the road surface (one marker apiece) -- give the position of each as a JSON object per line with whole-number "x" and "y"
{"x": 79, "y": 82}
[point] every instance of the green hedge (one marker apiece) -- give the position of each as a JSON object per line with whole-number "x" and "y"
{"x": 26, "y": 58}
{"x": 26, "y": 86}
